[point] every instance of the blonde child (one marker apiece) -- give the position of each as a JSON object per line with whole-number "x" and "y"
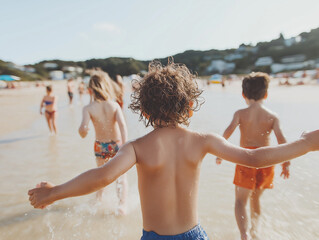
{"x": 109, "y": 125}
{"x": 81, "y": 89}
{"x": 49, "y": 103}
{"x": 256, "y": 123}
{"x": 168, "y": 159}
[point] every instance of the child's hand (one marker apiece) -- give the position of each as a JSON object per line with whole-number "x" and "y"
{"x": 218, "y": 161}
{"x": 39, "y": 197}
{"x": 312, "y": 138}
{"x": 41, "y": 112}
{"x": 285, "y": 170}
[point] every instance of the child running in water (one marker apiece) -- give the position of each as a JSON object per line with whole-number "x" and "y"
{"x": 81, "y": 89}
{"x": 49, "y": 102}
{"x": 256, "y": 124}
{"x": 110, "y": 128}
{"x": 168, "y": 159}
{"x": 70, "y": 88}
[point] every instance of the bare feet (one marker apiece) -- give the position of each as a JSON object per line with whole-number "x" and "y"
{"x": 254, "y": 234}
{"x": 246, "y": 236}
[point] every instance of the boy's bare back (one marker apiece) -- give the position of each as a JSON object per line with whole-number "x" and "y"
{"x": 256, "y": 124}
{"x": 168, "y": 164}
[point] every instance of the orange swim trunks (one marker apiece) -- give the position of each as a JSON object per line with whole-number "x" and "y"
{"x": 254, "y": 178}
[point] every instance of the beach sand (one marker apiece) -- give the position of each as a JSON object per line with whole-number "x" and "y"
{"x": 28, "y": 155}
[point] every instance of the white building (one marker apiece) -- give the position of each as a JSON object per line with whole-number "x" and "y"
{"x": 79, "y": 70}
{"x": 68, "y": 75}
{"x": 68, "y": 69}
{"x": 50, "y": 65}
{"x": 221, "y": 66}
{"x": 281, "y": 67}
{"x": 233, "y": 56}
{"x": 29, "y": 69}
{"x": 72, "y": 69}
{"x": 294, "y": 58}
{"x": 291, "y": 41}
{"x": 56, "y": 75}
{"x": 264, "y": 61}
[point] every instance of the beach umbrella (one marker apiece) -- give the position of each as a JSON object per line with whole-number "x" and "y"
{"x": 216, "y": 77}
{"x": 9, "y": 78}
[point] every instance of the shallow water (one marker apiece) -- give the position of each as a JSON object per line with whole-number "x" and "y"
{"x": 28, "y": 155}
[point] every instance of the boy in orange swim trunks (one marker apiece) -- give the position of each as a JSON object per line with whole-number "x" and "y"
{"x": 256, "y": 124}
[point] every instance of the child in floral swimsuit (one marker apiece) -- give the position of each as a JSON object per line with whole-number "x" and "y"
{"x": 109, "y": 125}
{"x": 105, "y": 150}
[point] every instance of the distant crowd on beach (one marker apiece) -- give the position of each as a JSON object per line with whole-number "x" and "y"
{"x": 301, "y": 77}
{"x": 168, "y": 159}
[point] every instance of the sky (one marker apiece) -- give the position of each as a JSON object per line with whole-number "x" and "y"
{"x": 36, "y": 30}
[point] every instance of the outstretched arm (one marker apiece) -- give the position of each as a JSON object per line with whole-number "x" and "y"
{"x": 232, "y": 126}
{"x": 83, "y": 129}
{"x": 264, "y": 156}
{"x": 87, "y": 182}
{"x": 229, "y": 131}
{"x": 281, "y": 139}
{"x": 122, "y": 125}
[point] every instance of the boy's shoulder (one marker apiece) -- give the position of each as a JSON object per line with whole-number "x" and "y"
{"x": 88, "y": 106}
{"x": 259, "y": 109}
{"x": 158, "y": 134}
{"x": 270, "y": 113}
{"x": 240, "y": 112}
{"x": 180, "y": 142}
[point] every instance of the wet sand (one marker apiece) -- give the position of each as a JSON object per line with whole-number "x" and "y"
{"x": 28, "y": 155}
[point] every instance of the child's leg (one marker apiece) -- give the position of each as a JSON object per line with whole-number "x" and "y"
{"x": 122, "y": 189}
{"x": 54, "y": 117}
{"x": 99, "y": 193}
{"x": 242, "y": 195}
{"x": 47, "y": 116}
{"x": 255, "y": 210}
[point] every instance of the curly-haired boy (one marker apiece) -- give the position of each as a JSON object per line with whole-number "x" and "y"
{"x": 168, "y": 159}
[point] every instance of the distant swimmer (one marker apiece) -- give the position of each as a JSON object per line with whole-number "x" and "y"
{"x": 110, "y": 128}
{"x": 256, "y": 124}
{"x": 70, "y": 87}
{"x": 81, "y": 89}
{"x": 49, "y": 102}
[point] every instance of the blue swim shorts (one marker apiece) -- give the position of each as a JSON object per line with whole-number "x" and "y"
{"x": 196, "y": 233}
